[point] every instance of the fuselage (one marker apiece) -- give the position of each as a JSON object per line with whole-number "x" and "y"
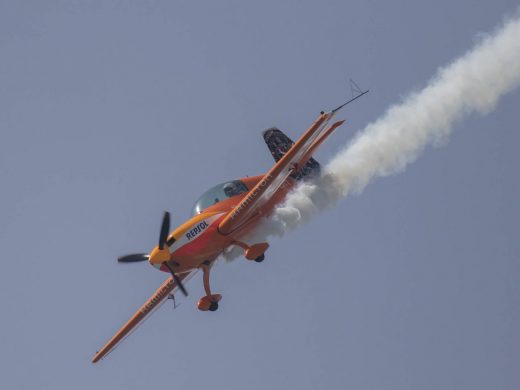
{"x": 199, "y": 240}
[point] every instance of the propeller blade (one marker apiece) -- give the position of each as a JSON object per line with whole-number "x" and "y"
{"x": 176, "y": 278}
{"x": 179, "y": 283}
{"x": 133, "y": 258}
{"x": 165, "y": 229}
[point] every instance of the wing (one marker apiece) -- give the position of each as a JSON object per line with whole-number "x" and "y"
{"x": 291, "y": 162}
{"x": 142, "y": 314}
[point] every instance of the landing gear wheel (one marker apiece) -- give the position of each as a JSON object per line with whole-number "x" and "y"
{"x": 213, "y": 306}
{"x": 260, "y": 258}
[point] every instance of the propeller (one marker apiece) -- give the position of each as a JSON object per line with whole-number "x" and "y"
{"x": 163, "y": 236}
{"x": 165, "y": 229}
{"x": 176, "y": 278}
{"x": 133, "y": 258}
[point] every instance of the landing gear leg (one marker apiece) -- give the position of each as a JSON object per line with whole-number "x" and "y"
{"x": 210, "y": 301}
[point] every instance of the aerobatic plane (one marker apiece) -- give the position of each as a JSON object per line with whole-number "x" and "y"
{"x": 223, "y": 216}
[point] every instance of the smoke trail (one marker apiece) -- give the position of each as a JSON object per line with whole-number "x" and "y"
{"x": 472, "y": 83}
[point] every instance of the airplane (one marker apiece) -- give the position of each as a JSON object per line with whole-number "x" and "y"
{"x": 223, "y": 216}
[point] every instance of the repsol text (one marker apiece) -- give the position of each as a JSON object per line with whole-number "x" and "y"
{"x": 196, "y": 230}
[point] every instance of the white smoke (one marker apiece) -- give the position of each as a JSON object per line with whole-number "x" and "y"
{"x": 472, "y": 83}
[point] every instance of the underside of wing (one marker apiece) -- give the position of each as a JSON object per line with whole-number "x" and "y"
{"x": 169, "y": 286}
{"x": 290, "y": 163}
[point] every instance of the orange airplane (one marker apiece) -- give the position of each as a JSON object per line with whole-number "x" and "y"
{"x": 223, "y": 216}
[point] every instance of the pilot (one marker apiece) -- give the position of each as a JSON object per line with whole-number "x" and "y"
{"x": 231, "y": 189}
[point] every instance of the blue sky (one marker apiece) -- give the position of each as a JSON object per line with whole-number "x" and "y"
{"x": 113, "y": 112}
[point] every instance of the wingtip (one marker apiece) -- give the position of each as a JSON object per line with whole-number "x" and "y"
{"x": 96, "y": 358}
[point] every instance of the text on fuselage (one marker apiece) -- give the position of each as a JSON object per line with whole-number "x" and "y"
{"x": 196, "y": 230}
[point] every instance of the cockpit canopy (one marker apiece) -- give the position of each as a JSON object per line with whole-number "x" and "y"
{"x": 219, "y": 193}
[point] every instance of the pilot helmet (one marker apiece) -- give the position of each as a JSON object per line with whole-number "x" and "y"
{"x": 230, "y": 189}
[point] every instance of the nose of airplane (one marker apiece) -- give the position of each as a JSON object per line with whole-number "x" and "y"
{"x": 159, "y": 256}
